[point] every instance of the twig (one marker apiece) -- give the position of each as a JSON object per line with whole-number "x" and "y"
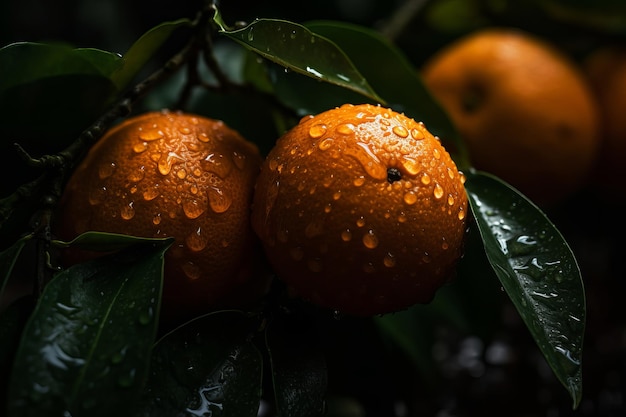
{"x": 401, "y": 18}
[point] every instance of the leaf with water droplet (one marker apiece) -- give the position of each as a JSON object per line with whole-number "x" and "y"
{"x": 295, "y": 47}
{"x": 85, "y": 317}
{"x": 103, "y": 242}
{"x": 209, "y": 366}
{"x": 298, "y": 366}
{"x": 537, "y": 270}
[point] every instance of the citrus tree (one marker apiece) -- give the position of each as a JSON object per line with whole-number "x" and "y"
{"x": 88, "y": 339}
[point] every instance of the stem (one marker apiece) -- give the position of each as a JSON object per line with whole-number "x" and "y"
{"x": 401, "y": 18}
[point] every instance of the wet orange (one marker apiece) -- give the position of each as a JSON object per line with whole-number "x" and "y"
{"x": 524, "y": 108}
{"x": 361, "y": 210}
{"x": 167, "y": 174}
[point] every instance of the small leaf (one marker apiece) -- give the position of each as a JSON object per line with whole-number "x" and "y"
{"x": 208, "y": 366}
{"x": 143, "y": 50}
{"x": 537, "y": 270}
{"x": 297, "y": 48}
{"x": 8, "y": 258}
{"x": 298, "y": 367}
{"x": 91, "y": 333}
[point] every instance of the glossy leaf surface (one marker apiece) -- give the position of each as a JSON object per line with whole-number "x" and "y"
{"x": 296, "y": 48}
{"x": 207, "y": 367}
{"x": 537, "y": 270}
{"x": 91, "y": 333}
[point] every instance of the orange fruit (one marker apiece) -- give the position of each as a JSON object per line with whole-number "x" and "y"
{"x": 606, "y": 69}
{"x": 361, "y": 210}
{"x": 166, "y": 174}
{"x": 524, "y": 109}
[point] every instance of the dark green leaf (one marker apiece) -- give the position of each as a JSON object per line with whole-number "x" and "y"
{"x": 298, "y": 367}
{"x": 297, "y": 48}
{"x": 207, "y": 367}
{"x": 143, "y": 49}
{"x": 390, "y": 73}
{"x": 90, "y": 334}
{"x": 8, "y": 258}
{"x": 537, "y": 270}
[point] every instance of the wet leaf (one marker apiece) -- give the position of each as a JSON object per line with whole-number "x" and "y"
{"x": 296, "y": 48}
{"x": 8, "y": 258}
{"x": 538, "y": 272}
{"x": 143, "y": 50}
{"x": 208, "y": 366}
{"x": 298, "y": 367}
{"x": 91, "y": 333}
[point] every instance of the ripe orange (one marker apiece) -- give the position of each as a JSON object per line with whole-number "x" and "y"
{"x": 524, "y": 109}
{"x": 606, "y": 69}
{"x": 361, "y": 210}
{"x": 167, "y": 174}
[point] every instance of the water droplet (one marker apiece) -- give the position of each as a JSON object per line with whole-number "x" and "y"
{"x": 219, "y": 200}
{"x": 461, "y": 214}
{"x": 151, "y": 134}
{"x": 203, "y": 137}
{"x": 425, "y": 179}
{"x": 106, "y": 170}
{"x": 128, "y": 211}
{"x": 193, "y": 208}
{"x": 337, "y": 195}
{"x": 400, "y": 131}
{"x": 196, "y": 241}
{"x": 411, "y": 165}
{"x": 345, "y": 129}
{"x": 167, "y": 161}
{"x": 328, "y": 208}
{"x": 521, "y": 245}
{"x": 417, "y": 134}
{"x": 325, "y": 144}
{"x": 410, "y": 198}
{"x": 370, "y": 240}
{"x": 436, "y": 153}
{"x": 156, "y": 219}
{"x": 184, "y": 130}
{"x": 402, "y": 218}
{"x": 389, "y": 260}
{"x": 151, "y": 193}
{"x": 451, "y": 173}
{"x": 346, "y": 235}
{"x": 360, "y": 222}
{"x": 250, "y": 35}
{"x": 370, "y": 162}
{"x": 140, "y": 147}
{"x": 296, "y": 253}
{"x": 181, "y": 173}
{"x": 136, "y": 176}
{"x": 317, "y": 131}
{"x": 450, "y": 200}
{"x": 359, "y": 181}
{"x": 438, "y": 191}
{"x": 463, "y": 178}
{"x": 191, "y": 270}
{"x": 217, "y": 164}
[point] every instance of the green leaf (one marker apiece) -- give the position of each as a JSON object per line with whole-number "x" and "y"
{"x": 537, "y": 270}
{"x": 208, "y": 366}
{"x": 297, "y": 48}
{"x": 91, "y": 333}
{"x": 8, "y": 258}
{"x": 390, "y": 73}
{"x": 298, "y": 367}
{"x": 143, "y": 50}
